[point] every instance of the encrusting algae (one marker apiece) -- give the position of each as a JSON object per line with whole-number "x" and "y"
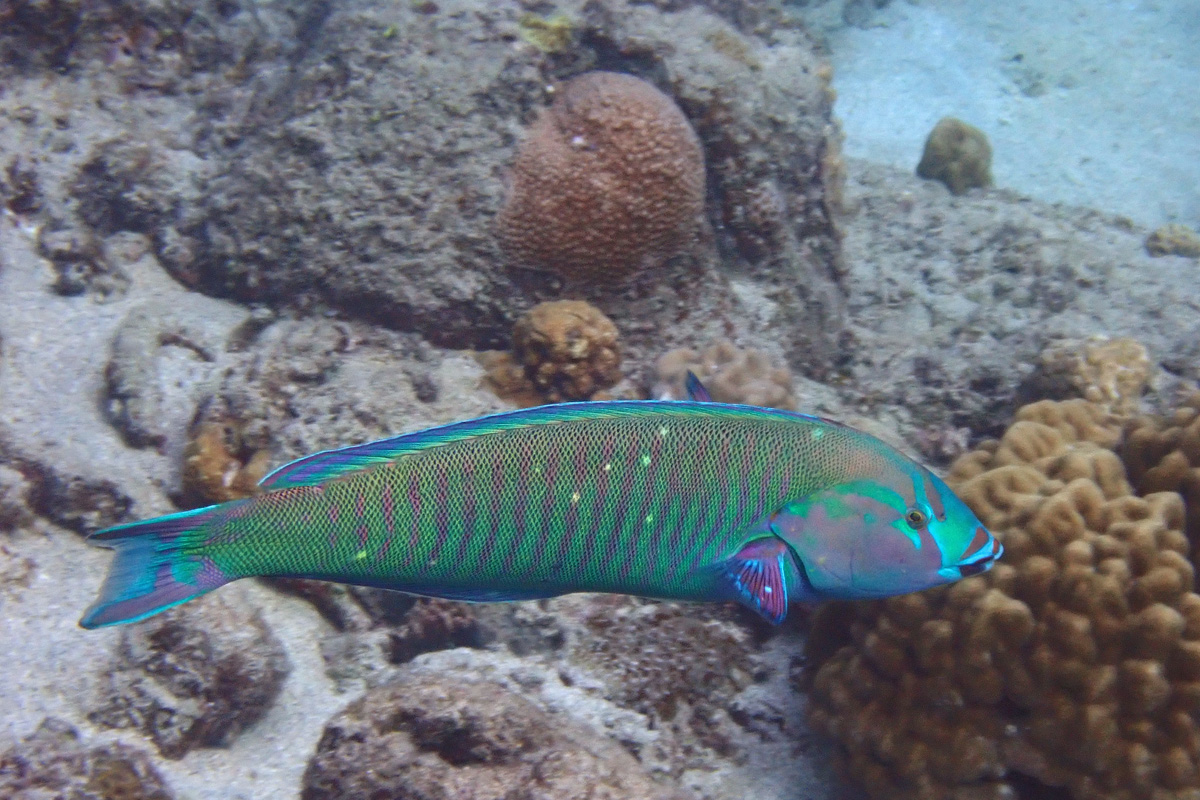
{"x": 1075, "y": 663}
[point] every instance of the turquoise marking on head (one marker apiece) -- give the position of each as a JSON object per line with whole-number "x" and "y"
{"x": 864, "y": 538}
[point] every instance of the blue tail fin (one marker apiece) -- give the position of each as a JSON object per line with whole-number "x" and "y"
{"x": 157, "y": 566}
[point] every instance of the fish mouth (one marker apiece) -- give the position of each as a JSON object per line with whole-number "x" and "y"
{"x": 980, "y": 557}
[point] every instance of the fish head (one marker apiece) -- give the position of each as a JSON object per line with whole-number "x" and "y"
{"x": 881, "y": 537}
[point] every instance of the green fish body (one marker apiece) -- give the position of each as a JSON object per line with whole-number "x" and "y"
{"x": 674, "y": 500}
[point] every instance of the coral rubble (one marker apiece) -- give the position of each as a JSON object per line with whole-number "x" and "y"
{"x": 195, "y": 676}
{"x": 1074, "y": 663}
{"x": 53, "y": 762}
{"x": 1173, "y": 240}
{"x": 958, "y": 155}
{"x": 608, "y": 182}
{"x": 469, "y": 740}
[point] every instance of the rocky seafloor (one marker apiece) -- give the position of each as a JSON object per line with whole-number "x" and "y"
{"x": 280, "y": 219}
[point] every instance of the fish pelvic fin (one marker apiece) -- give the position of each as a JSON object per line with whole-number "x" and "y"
{"x": 158, "y": 565}
{"x": 758, "y": 577}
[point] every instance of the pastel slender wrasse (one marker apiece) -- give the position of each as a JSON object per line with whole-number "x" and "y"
{"x": 690, "y": 500}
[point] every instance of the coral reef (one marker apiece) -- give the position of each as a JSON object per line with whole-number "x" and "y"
{"x": 53, "y": 762}
{"x": 608, "y": 182}
{"x": 1162, "y": 454}
{"x": 730, "y": 375}
{"x": 1174, "y": 240}
{"x": 216, "y": 467}
{"x": 678, "y": 665}
{"x": 1074, "y": 663}
{"x": 562, "y": 350}
{"x": 433, "y": 624}
{"x": 471, "y": 741}
{"x": 195, "y": 676}
{"x": 79, "y": 264}
{"x": 958, "y": 155}
{"x": 1111, "y": 372}
{"x": 549, "y": 35}
{"x": 136, "y": 398}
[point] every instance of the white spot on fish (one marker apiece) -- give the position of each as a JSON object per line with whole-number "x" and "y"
{"x": 817, "y": 433}
{"x": 360, "y": 555}
{"x": 608, "y": 467}
{"x": 649, "y": 519}
{"x": 575, "y": 497}
{"x": 645, "y": 460}
{"x": 663, "y": 431}
{"x": 767, "y": 590}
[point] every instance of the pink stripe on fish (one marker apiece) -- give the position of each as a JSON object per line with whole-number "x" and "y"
{"x": 362, "y": 536}
{"x": 360, "y": 505}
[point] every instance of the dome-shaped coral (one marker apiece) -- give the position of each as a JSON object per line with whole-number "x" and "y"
{"x": 1074, "y": 663}
{"x": 609, "y": 180}
{"x": 562, "y": 350}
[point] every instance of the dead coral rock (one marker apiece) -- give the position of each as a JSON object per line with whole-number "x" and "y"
{"x": 1071, "y": 666}
{"x": 958, "y": 155}
{"x": 213, "y": 467}
{"x": 564, "y": 350}
{"x": 1112, "y": 372}
{"x": 680, "y": 666}
{"x": 157, "y": 346}
{"x": 195, "y": 676}
{"x": 1163, "y": 455}
{"x": 467, "y": 741}
{"x": 53, "y": 764}
{"x": 609, "y": 181}
{"x": 730, "y": 375}
{"x": 434, "y": 624}
{"x": 1174, "y": 240}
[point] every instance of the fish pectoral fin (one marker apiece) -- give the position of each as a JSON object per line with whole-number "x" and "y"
{"x": 759, "y": 578}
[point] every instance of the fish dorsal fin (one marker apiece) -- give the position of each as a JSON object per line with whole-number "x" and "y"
{"x": 328, "y": 464}
{"x": 321, "y": 467}
{"x": 695, "y": 389}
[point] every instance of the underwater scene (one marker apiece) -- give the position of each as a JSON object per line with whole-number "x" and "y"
{"x": 599, "y": 400}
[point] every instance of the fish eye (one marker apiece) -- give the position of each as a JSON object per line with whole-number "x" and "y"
{"x": 916, "y": 518}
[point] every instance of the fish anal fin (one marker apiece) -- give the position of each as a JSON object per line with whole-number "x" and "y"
{"x": 756, "y": 574}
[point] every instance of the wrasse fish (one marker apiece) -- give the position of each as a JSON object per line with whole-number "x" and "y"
{"x": 682, "y": 500}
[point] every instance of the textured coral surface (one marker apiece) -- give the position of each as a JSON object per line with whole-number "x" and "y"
{"x": 562, "y": 350}
{"x": 470, "y": 741}
{"x": 609, "y": 181}
{"x": 1074, "y": 663}
{"x": 1163, "y": 455}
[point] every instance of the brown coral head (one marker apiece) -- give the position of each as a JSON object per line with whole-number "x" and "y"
{"x": 609, "y": 181}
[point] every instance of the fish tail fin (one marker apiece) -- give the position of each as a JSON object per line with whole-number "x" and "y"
{"x": 159, "y": 564}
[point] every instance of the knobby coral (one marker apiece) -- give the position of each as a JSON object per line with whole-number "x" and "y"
{"x": 1163, "y": 455}
{"x": 609, "y": 181}
{"x": 1075, "y": 663}
{"x": 958, "y": 155}
{"x": 1112, "y": 372}
{"x": 562, "y": 350}
{"x": 730, "y": 375}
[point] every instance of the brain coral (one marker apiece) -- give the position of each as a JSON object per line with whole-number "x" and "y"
{"x": 609, "y": 180}
{"x": 1074, "y": 664}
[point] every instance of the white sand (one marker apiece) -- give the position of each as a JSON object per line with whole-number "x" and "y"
{"x": 1102, "y": 108}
